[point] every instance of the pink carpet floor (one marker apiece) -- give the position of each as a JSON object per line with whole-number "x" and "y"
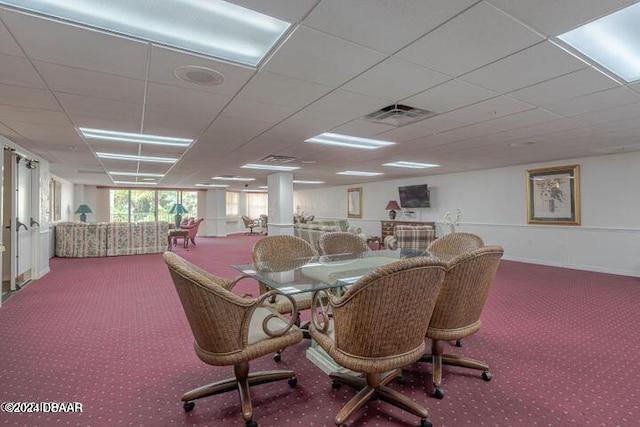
{"x": 110, "y": 333}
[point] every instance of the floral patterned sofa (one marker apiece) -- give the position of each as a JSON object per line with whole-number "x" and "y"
{"x": 311, "y": 231}
{"x": 81, "y": 240}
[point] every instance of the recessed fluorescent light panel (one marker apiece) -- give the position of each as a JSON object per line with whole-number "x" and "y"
{"x": 114, "y": 156}
{"x": 154, "y": 175}
{"x": 411, "y": 165}
{"x": 210, "y": 27}
{"x": 134, "y": 183}
{"x": 300, "y": 181}
{"x": 232, "y": 178}
{"x": 136, "y": 138}
{"x": 612, "y": 41}
{"x": 212, "y": 185}
{"x": 337, "y": 139}
{"x": 359, "y": 173}
{"x": 270, "y": 167}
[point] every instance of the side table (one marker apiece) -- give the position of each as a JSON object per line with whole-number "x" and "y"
{"x": 173, "y": 234}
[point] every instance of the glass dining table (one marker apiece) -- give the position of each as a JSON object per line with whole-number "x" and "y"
{"x": 311, "y": 274}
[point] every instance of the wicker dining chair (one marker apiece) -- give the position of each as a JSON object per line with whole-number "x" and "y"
{"x": 266, "y": 254}
{"x": 453, "y": 244}
{"x": 340, "y": 242}
{"x": 457, "y": 312}
{"x": 229, "y": 330}
{"x": 377, "y": 328}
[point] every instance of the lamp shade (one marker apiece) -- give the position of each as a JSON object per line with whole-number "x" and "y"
{"x": 392, "y": 205}
{"x": 83, "y": 210}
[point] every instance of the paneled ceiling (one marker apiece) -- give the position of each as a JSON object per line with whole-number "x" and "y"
{"x": 504, "y": 90}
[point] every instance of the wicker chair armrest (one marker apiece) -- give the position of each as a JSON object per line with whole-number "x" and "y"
{"x": 263, "y": 300}
{"x": 321, "y": 306}
{"x": 230, "y": 283}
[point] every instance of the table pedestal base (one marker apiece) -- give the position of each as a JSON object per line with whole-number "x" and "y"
{"x": 322, "y": 360}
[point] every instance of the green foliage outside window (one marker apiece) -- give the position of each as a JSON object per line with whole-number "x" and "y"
{"x": 149, "y": 205}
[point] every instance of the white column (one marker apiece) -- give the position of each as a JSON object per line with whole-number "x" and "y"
{"x": 215, "y": 217}
{"x": 280, "y": 203}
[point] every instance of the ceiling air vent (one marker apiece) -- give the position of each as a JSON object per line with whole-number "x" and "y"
{"x": 272, "y": 158}
{"x": 399, "y": 115}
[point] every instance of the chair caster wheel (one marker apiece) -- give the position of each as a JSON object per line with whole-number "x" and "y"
{"x": 486, "y": 375}
{"x": 251, "y": 423}
{"x": 293, "y": 382}
{"x": 425, "y": 423}
{"x": 335, "y": 385}
{"x": 277, "y": 357}
{"x": 400, "y": 380}
{"x": 188, "y": 406}
{"x": 439, "y": 394}
{"x": 458, "y": 343}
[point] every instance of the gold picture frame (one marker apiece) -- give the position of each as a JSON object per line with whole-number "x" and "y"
{"x": 553, "y": 195}
{"x": 354, "y": 202}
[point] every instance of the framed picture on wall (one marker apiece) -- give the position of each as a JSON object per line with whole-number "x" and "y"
{"x": 354, "y": 202}
{"x": 553, "y": 195}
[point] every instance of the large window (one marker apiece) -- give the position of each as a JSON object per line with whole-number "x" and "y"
{"x": 257, "y": 204}
{"x": 149, "y": 205}
{"x": 233, "y": 203}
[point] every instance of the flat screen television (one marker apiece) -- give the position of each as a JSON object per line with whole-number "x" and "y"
{"x": 414, "y": 196}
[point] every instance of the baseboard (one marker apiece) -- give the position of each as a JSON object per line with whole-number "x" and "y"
{"x": 594, "y": 268}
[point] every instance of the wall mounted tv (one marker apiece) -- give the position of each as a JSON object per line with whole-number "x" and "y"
{"x": 414, "y": 196}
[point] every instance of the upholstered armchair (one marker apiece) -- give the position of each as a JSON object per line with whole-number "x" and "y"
{"x": 192, "y": 226}
{"x": 417, "y": 237}
{"x": 456, "y": 315}
{"x": 374, "y": 328}
{"x": 230, "y": 330}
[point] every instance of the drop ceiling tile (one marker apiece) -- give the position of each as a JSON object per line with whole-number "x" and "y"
{"x": 532, "y": 65}
{"x": 281, "y": 90}
{"x": 182, "y": 99}
{"x": 572, "y": 85}
{"x": 176, "y": 123}
{"x": 321, "y": 58}
{"x": 78, "y": 47}
{"x": 78, "y": 81}
{"x": 164, "y": 61}
{"x": 263, "y": 112}
{"x": 19, "y": 72}
{"x": 596, "y": 101}
{"x": 33, "y": 115}
{"x": 556, "y": 17}
{"x": 553, "y": 126}
{"x": 479, "y": 36}
{"x": 348, "y": 105}
{"x": 381, "y": 25}
{"x": 47, "y": 134}
{"x": 522, "y": 119}
{"x": 449, "y": 96}
{"x": 395, "y": 79}
{"x": 8, "y": 45}
{"x": 362, "y": 128}
{"x": 629, "y": 111}
{"x": 86, "y": 111}
{"x": 18, "y": 96}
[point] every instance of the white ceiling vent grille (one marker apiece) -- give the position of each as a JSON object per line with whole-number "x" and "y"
{"x": 272, "y": 158}
{"x": 399, "y": 115}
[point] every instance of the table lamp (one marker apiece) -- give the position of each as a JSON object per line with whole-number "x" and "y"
{"x": 83, "y": 210}
{"x": 391, "y": 207}
{"x": 178, "y": 209}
